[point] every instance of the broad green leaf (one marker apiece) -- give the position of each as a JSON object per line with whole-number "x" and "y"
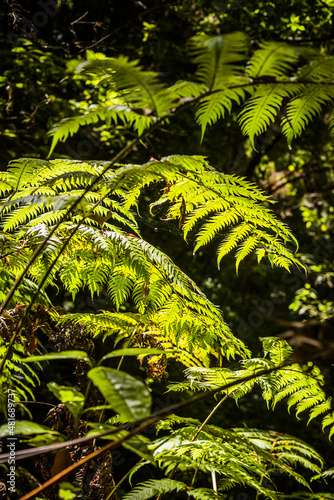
{"x": 131, "y": 351}
{"x": 43, "y": 440}
{"x": 26, "y": 428}
{"x": 73, "y": 399}
{"x": 125, "y": 394}
{"x": 56, "y": 355}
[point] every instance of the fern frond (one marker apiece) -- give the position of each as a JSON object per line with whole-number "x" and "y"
{"x": 245, "y": 248}
{"x": 262, "y": 108}
{"x": 217, "y": 57}
{"x": 214, "y": 106}
{"x": 205, "y": 494}
{"x": 136, "y": 85}
{"x": 154, "y": 487}
{"x": 273, "y": 60}
{"x": 319, "y": 68}
{"x": 304, "y": 107}
{"x": 119, "y": 287}
{"x": 114, "y": 113}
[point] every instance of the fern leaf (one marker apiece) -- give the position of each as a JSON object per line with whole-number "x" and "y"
{"x": 154, "y": 487}
{"x": 247, "y": 246}
{"x": 304, "y": 107}
{"x": 217, "y": 57}
{"x": 206, "y": 494}
{"x": 214, "y": 106}
{"x": 231, "y": 241}
{"x": 319, "y": 409}
{"x": 140, "y": 87}
{"x": 262, "y": 108}
{"x": 273, "y": 60}
{"x": 214, "y": 225}
{"x": 319, "y": 68}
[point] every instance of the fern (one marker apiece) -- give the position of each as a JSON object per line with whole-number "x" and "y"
{"x": 238, "y": 456}
{"x": 214, "y": 106}
{"x": 205, "y": 494}
{"x": 273, "y": 60}
{"x": 270, "y": 81}
{"x": 300, "y": 386}
{"x": 132, "y": 83}
{"x": 154, "y": 487}
{"x": 174, "y": 309}
{"x": 216, "y": 57}
{"x": 303, "y": 108}
{"x": 262, "y": 108}
{"x": 114, "y": 113}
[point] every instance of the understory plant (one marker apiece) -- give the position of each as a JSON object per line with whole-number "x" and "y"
{"x": 74, "y": 227}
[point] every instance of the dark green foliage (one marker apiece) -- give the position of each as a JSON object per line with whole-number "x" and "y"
{"x": 76, "y": 228}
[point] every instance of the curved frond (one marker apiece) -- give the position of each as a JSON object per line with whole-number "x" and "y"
{"x": 302, "y": 109}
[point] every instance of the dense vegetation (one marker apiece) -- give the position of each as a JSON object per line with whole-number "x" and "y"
{"x": 166, "y": 325}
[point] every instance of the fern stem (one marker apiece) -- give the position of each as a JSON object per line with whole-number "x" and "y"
{"x": 195, "y": 474}
{"x": 77, "y": 422}
{"x": 121, "y": 481}
{"x": 260, "y": 483}
{"x": 214, "y": 482}
{"x": 208, "y": 417}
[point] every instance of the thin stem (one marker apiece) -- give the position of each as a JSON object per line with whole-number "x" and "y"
{"x": 208, "y": 417}
{"x": 121, "y": 481}
{"x": 214, "y": 482}
{"x": 262, "y": 477}
{"x": 260, "y": 483}
{"x": 20, "y": 324}
{"x": 77, "y": 422}
{"x": 195, "y": 475}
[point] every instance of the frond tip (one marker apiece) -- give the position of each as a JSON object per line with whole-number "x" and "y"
{"x": 216, "y": 205}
